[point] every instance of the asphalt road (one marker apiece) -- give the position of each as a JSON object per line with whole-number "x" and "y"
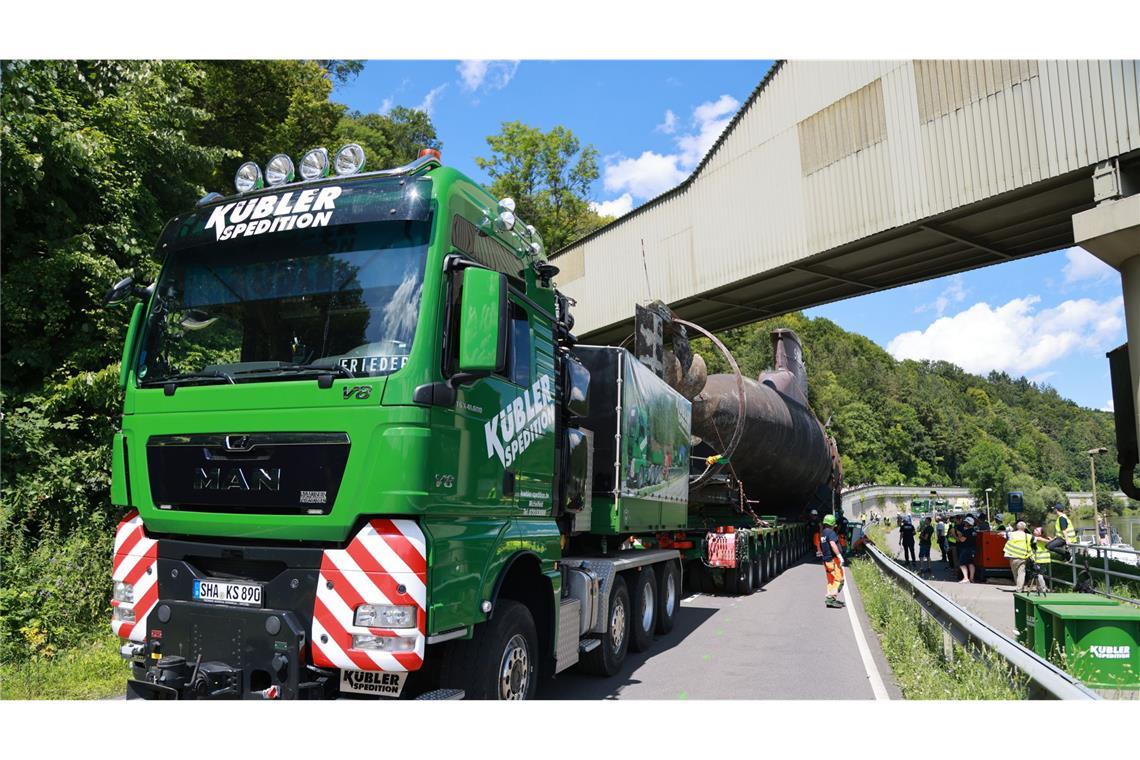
{"x": 779, "y": 643}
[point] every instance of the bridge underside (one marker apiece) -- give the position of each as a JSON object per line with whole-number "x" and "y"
{"x": 1017, "y": 224}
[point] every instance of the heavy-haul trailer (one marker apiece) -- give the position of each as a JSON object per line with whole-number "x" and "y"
{"x": 354, "y": 456}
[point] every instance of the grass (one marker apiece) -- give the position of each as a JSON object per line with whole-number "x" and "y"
{"x": 912, "y": 643}
{"x": 94, "y": 671}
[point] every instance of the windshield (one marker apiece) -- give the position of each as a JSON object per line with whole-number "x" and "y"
{"x": 343, "y": 298}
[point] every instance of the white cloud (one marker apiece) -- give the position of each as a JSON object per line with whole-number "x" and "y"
{"x": 429, "y": 100}
{"x": 669, "y": 125}
{"x": 385, "y": 106}
{"x": 646, "y": 176}
{"x": 486, "y": 75}
{"x": 1084, "y": 266}
{"x": 1015, "y": 337}
{"x": 619, "y": 206}
{"x": 955, "y": 292}
{"x": 1109, "y": 406}
{"x": 651, "y": 174}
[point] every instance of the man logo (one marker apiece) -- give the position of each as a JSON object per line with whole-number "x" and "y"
{"x": 237, "y": 479}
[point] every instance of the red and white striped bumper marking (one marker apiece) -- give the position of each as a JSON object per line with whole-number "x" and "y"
{"x": 134, "y": 562}
{"x": 383, "y": 556}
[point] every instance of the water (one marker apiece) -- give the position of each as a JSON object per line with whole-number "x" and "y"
{"x": 1122, "y": 525}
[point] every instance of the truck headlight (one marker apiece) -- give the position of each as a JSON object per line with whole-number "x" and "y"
{"x": 383, "y": 643}
{"x": 315, "y": 164}
{"x": 279, "y": 170}
{"x": 349, "y": 159}
{"x": 385, "y": 616}
{"x": 124, "y": 592}
{"x": 123, "y": 614}
{"x": 248, "y": 177}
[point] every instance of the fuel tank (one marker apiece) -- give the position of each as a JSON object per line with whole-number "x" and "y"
{"x": 785, "y": 459}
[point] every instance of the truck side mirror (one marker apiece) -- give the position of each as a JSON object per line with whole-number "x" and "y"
{"x": 129, "y": 345}
{"x": 119, "y": 291}
{"x": 482, "y": 322}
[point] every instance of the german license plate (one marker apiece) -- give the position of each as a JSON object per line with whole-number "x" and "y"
{"x": 227, "y": 592}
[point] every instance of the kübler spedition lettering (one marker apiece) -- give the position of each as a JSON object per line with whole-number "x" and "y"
{"x": 274, "y": 213}
{"x": 517, "y": 424}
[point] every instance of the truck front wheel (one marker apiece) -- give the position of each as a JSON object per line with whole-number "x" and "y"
{"x": 500, "y": 661}
{"x": 607, "y": 659}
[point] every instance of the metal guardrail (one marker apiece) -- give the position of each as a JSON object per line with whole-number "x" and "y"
{"x": 1046, "y": 680}
{"x": 1096, "y": 559}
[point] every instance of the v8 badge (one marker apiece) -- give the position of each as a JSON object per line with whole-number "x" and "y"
{"x": 358, "y": 392}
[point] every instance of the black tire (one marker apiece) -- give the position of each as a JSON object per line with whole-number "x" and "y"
{"x": 744, "y": 585}
{"x": 757, "y": 572}
{"x": 607, "y": 659}
{"x": 643, "y": 603}
{"x": 500, "y": 661}
{"x": 668, "y": 596}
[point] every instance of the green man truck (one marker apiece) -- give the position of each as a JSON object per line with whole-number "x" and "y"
{"x": 362, "y": 453}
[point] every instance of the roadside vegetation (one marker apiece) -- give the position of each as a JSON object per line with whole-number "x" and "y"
{"x": 912, "y": 643}
{"x": 92, "y": 670}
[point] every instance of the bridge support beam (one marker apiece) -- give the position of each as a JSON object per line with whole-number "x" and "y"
{"x": 1111, "y": 232}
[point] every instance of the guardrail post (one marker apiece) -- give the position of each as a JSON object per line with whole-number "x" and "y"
{"x": 1107, "y": 577}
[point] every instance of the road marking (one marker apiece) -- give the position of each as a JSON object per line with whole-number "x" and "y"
{"x": 690, "y": 598}
{"x": 877, "y": 687}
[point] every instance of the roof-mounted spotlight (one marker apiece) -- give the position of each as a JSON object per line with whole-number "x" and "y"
{"x": 315, "y": 164}
{"x": 425, "y": 152}
{"x": 279, "y": 170}
{"x": 349, "y": 159}
{"x": 248, "y": 177}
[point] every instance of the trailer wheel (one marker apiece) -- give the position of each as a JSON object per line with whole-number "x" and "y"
{"x": 501, "y": 661}
{"x": 738, "y": 580}
{"x": 668, "y": 596}
{"x": 757, "y": 572}
{"x": 643, "y": 621}
{"x": 607, "y": 659}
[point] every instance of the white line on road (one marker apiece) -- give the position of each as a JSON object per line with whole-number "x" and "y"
{"x": 877, "y": 687}
{"x": 691, "y": 597}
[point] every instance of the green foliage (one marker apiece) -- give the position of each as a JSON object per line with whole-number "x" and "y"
{"x": 912, "y": 643}
{"x": 95, "y": 157}
{"x": 393, "y": 139}
{"x": 549, "y": 176}
{"x": 92, "y": 669}
{"x": 931, "y": 423}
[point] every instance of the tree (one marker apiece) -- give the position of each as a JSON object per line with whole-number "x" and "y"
{"x": 389, "y": 140}
{"x": 987, "y": 466}
{"x": 548, "y": 174}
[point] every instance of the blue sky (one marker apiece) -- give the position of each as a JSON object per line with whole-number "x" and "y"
{"x": 1050, "y": 318}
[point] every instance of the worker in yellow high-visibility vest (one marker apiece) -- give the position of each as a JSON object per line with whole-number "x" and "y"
{"x": 952, "y": 541}
{"x": 1064, "y": 533}
{"x": 1017, "y": 551}
{"x": 1041, "y": 556}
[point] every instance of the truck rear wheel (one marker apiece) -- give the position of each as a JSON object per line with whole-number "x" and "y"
{"x": 757, "y": 572}
{"x": 668, "y": 596}
{"x": 501, "y": 661}
{"x": 607, "y": 659}
{"x": 643, "y": 600}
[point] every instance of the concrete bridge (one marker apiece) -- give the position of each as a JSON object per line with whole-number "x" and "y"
{"x": 841, "y": 178}
{"x": 887, "y": 500}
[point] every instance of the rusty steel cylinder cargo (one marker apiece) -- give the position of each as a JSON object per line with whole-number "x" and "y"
{"x": 785, "y": 459}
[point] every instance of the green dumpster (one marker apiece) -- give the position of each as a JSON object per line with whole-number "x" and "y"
{"x": 1034, "y": 633}
{"x": 1099, "y": 645}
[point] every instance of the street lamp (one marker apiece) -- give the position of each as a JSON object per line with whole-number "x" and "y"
{"x": 988, "y": 490}
{"x": 1092, "y": 466}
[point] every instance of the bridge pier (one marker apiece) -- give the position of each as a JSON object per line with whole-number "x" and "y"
{"x": 1111, "y": 232}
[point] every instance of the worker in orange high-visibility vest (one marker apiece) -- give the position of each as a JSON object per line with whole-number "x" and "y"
{"x": 813, "y": 526}
{"x": 832, "y": 562}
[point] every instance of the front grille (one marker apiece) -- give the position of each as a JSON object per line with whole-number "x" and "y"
{"x": 260, "y": 473}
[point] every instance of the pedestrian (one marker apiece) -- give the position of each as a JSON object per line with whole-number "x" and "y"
{"x": 925, "y": 537}
{"x": 952, "y": 541}
{"x": 940, "y": 534}
{"x": 832, "y": 562}
{"x": 906, "y": 541}
{"x": 1064, "y": 534}
{"x": 1017, "y": 551}
{"x": 1039, "y": 557}
{"x": 813, "y": 530}
{"x": 965, "y": 543}
{"x": 983, "y": 522}
{"x": 1102, "y": 531}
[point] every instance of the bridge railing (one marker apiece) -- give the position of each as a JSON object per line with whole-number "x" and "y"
{"x": 1045, "y": 679}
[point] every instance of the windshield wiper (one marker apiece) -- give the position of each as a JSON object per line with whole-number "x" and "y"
{"x": 286, "y": 368}
{"x": 171, "y": 382}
